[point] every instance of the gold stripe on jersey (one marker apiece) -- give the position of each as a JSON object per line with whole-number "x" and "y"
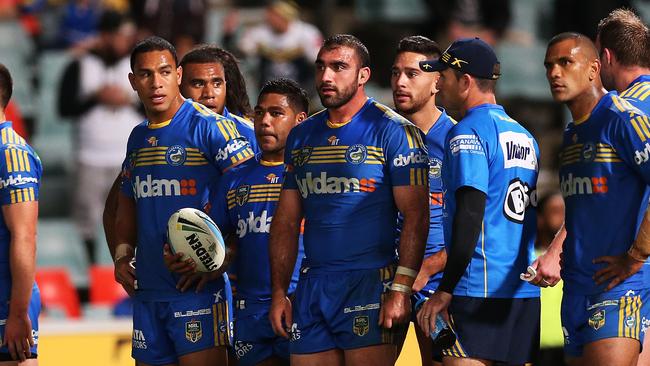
{"x": 631, "y": 90}
{"x": 624, "y": 106}
{"x": 418, "y": 176}
{"x": 241, "y": 156}
{"x": 203, "y": 109}
{"x": 10, "y": 166}
{"x": 641, "y": 126}
{"x": 256, "y": 193}
{"x": 645, "y": 86}
{"x": 9, "y": 136}
{"x": 17, "y": 160}
{"x": 604, "y": 154}
{"x": 336, "y": 154}
{"x": 22, "y": 195}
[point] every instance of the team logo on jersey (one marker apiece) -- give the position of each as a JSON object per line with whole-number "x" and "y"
{"x": 333, "y": 141}
{"x": 361, "y": 325}
{"x": 176, "y": 155}
{"x": 193, "y": 331}
{"x": 630, "y": 321}
{"x": 241, "y": 195}
{"x": 518, "y": 197}
{"x": 356, "y": 154}
{"x": 588, "y": 152}
{"x": 153, "y": 141}
{"x": 302, "y": 156}
{"x": 272, "y": 178}
{"x": 435, "y": 168}
{"x": 597, "y": 320}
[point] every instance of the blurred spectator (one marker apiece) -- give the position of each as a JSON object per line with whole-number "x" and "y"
{"x": 285, "y": 45}
{"x": 79, "y": 23}
{"x": 487, "y": 19}
{"x": 182, "y": 22}
{"x": 95, "y": 91}
{"x": 582, "y": 16}
{"x": 550, "y": 217}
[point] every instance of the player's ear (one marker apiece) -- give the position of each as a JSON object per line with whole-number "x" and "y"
{"x": 132, "y": 81}
{"x": 594, "y": 69}
{"x": 434, "y": 85}
{"x": 364, "y": 75}
{"x": 179, "y": 74}
{"x": 300, "y": 117}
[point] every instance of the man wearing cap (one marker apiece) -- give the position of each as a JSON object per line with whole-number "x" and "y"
{"x": 489, "y": 177}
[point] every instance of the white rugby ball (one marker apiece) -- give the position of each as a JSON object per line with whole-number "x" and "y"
{"x": 193, "y": 233}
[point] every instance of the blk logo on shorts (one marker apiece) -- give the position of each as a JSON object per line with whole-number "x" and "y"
{"x": 193, "y": 331}
{"x": 361, "y": 325}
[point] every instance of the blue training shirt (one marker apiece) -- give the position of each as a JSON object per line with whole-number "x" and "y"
{"x": 20, "y": 179}
{"x": 244, "y": 206}
{"x": 491, "y": 152}
{"x": 345, "y": 174}
{"x": 170, "y": 166}
{"x": 435, "y": 143}
{"x": 604, "y": 176}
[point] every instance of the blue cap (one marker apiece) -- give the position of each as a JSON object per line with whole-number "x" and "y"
{"x": 468, "y": 55}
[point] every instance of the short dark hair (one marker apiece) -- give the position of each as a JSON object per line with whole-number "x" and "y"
{"x": 484, "y": 85}
{"x": 237, "y": 100}
{"x": 6, "y": 86}
{"x": 419, "y": 44}
{"x": 348, "y": 40}
{"x": 153, "y": 43}
{"x": 297, "y": 96}
{"x": 580, "y": 39}
{"x": 625, "y": 34}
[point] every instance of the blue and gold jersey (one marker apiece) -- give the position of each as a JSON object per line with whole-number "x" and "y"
{"x": 20, "y": 178}
{"x": 435, "y": 142}
{"x": 604, "y": 176}
{"x": 489, "y": 151}
{"x": 244, "y": 206}
{"x": 170, "y": 166}
{"x": 638, "y": 93}
{"x": 245, "y": 128}
{"x": 345, "y": 174}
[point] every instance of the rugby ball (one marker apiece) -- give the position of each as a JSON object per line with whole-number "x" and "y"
{"x": 193, "y": 233}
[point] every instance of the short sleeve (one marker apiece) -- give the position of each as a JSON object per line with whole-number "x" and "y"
{"x": 20, "y": 175}
{"x": 126, "y": 185}
{"x": 406, "y": 155}
{"x": 631, "y": 142}
{"x": 227, "y": 147}
{"x": 466, "y": 160}
{"x": 289, "y": 178}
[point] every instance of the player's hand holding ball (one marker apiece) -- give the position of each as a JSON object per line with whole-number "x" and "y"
{"x": 196, "y": 249}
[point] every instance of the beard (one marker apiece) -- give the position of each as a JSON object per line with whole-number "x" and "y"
{"x": 339, "y": 99}
{"x": 416, "y": 105}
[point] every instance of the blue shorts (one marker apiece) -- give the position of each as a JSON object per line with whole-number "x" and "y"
{"x": 499, "y": 329}
{"x": 586, "y": 319}
{"x": 255, "y": 340}
{"x": 165, "y": 330}
{"x": 340, "y": 310}
{"x": 33, "y": 312}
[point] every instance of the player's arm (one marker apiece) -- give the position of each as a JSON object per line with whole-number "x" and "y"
{"x": 466, "y": 228}
{"x": 548, "y": 265}
{"x": 412, "y": 202}
{"x": 20, "y": 219}
{"x": 430, "y": 266}
{"x": 110, "y": 214}
{"x": 620, "y": 267}
{"x": 283, "y": 250}
{"x": 125, "y": 242}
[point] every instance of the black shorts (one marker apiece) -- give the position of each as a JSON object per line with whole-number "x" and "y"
{"x": 502, "y": 330}
{"x": 4, "y": 357}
